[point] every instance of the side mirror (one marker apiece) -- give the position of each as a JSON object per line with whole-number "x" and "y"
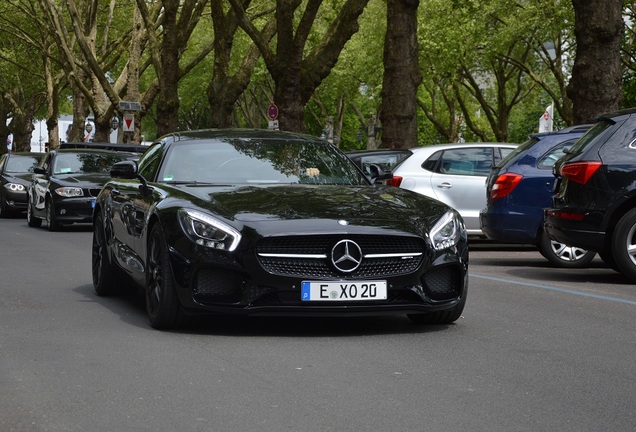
{"x": 377, "y": 174}
{"x": 39, "y": 170}
{"x": 125, "y": 169}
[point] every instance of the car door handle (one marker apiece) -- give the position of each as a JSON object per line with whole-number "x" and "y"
{"x": 445, "y": 185}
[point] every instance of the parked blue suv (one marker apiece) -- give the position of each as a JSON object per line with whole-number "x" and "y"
{"x": 520, "y": 187}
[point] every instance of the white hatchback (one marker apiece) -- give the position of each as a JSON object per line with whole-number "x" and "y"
{"x": 454, "y": 174}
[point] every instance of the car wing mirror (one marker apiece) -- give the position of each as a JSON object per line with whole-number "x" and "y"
{"x": 39, "y": 170}
{"x": 377, "y": 174}
{"x": 124, "y": 169}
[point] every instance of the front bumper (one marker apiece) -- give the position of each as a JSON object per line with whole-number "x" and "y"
{"x": 79, "y": 209}
{"x": 15, "y": 200}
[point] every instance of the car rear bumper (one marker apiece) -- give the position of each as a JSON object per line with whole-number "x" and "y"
{"x": 571, "y": 233}
{"x": 510, "y": 227}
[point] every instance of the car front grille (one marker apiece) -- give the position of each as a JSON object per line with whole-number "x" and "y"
{"x": 94, "y": 192}
{"x": 285, "y": 256}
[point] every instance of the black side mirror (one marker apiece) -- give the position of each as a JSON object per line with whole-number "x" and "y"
{"x": 377, "y": 174}
{"x": 39, "y": 170}
{"x": 125, "y": 169}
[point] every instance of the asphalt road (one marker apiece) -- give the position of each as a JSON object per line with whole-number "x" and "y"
{"x": 538, "y": 349}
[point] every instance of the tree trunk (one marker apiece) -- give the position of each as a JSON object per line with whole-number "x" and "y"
{"x": 596, "y": 84}
{"x": 402, "y": 77}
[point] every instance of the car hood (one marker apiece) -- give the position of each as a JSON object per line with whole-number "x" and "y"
{"x": 307, "y": 205}
{"x": 23, "y": 179}
{"x": 81, "y": 180}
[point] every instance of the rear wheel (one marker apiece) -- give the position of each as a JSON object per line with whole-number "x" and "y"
{"x": 32, "y": 221}
{"x": 162, "y": 304}
{"x": 562, "y": 255}
{"x": 54, "y": 225}
{"x": 447, "y": 316}
{"x": 624, "y": 244}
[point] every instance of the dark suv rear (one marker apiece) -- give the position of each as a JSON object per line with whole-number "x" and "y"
{"x": 595, "y": 202}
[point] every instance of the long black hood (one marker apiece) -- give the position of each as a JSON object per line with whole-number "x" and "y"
{"x": 81, "y": 180}
{"x": 386, "y": 207}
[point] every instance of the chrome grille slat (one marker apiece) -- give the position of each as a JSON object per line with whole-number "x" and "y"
{"x": 283, "y": 255}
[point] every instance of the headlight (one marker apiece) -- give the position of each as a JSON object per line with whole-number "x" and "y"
{"x": 15, "y": 187}
{"x": 205, "y": 230}
{"x": 447, "y": 231}
{"x": 69, "y": 192}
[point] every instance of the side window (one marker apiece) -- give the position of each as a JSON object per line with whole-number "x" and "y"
{"x": 501, "y": 153}
{"x": 548, "y": 160}
{"x": 467, "y": 161}
{"x": 431, "y": 163}
{"x": 150, "y": 161}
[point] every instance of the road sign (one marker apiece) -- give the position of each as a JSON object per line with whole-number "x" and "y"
{"x": 272, "y": 111}
{"x": 129, "y": 122}
{"x": 129, "y": 106}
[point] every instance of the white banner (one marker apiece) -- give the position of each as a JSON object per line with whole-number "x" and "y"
{"x": 546, "y": 121}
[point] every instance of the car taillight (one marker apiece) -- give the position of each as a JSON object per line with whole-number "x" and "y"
{"x": 395, "y": 181}
{"x": 580, "y": 172}
{"x": 504, "y": 184}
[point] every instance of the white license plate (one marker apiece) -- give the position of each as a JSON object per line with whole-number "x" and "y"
{"x": 343, "y": 291}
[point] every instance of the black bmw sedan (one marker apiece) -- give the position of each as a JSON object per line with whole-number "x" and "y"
{"x": 273, "y": 223}
{"x": 65, "y": 183}
{"x": 15, "y": 175}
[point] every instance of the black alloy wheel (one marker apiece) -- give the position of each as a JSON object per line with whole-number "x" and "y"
{"x": 32, "y": 221}
{"x": 562, "y": 255}
{"x": 162, "y": 304}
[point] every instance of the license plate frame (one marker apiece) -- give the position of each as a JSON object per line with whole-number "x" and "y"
{"x": 342, "y": 291}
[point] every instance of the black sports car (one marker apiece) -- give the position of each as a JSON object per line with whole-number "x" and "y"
{"x": 15, "y": 174}
{"x": 273, "y": 223}
{"x": 65, "y": 183}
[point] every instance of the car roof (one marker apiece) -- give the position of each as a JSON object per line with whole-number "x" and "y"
{"x": 377, "y": 151}
{"x": 229, "y": 134}
{"x": 436, "y": 147}
{"x": 135, "y": 148}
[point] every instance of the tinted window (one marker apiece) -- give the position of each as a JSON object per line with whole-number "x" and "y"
{"x": 150, "y": 161}
{"x": 598, "y": 129}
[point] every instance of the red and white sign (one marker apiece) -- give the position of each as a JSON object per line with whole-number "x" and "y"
{"x": 129, "y": 122}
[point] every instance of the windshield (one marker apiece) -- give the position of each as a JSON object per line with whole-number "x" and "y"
{"x": 254, "y": 161}
{"x": 19, "y": 164}
{"x": 517, "y": 150}
{"x": 85, "y": 162}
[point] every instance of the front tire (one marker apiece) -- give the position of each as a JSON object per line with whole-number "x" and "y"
{"x": 447, "y": 316}
{"x": 562, "y": 255}
{"x": 54, "y": 225}
{"x": 107, "y": 278}
{"x": 162, "y": 304}
{"x": 32, "y": 221}
{"x": 624, "y": 245}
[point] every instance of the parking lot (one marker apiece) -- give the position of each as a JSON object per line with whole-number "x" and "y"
{"x": 537, "y": 349}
